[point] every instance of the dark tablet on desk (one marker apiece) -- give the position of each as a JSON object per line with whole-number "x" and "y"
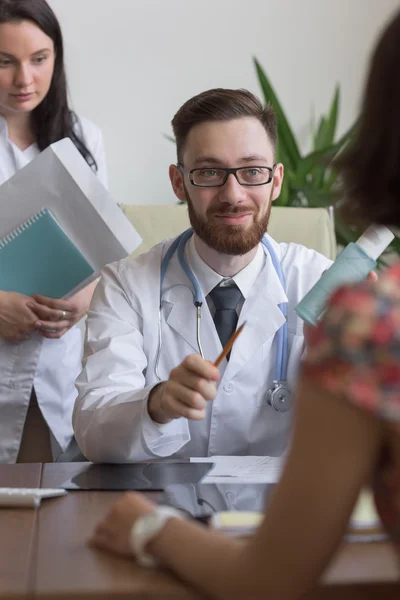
{"x": 137, "y": 476}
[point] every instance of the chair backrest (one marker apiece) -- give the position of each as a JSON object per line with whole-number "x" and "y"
{"x": 311, "y": 227}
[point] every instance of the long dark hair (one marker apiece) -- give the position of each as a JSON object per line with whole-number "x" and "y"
{"x": 370, "y": 167}
{"x": 52, "y": 120}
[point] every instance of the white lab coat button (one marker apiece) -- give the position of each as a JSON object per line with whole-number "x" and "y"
{"x": 228, "y": 387}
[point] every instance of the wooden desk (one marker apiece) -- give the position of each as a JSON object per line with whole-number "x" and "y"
{"x": 68, "y": 568}
{"x": 17, "y": 528}
{"x": 63, "y": 567}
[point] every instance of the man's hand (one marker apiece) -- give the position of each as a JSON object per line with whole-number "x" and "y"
{"x": 56, "y": 317}
{"x": 17, "y": 320}
{"x": 190, "y": 386}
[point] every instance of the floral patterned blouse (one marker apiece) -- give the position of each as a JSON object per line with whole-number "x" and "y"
{"x": 355, "y": 352}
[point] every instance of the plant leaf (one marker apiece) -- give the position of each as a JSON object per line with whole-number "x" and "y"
{"x": 339, "y": 145}
{"x": 169, "y": 138}
{"x": 330, "y": 178}
{"x": 327, "y": 125}
{"x": 319, "y": 135}
{"x": 320, "y": 158}
{"x": 285, "y": 133}
{"x": 318, "y": 163}
{"x": 315, "y": 197}
{"x": 331, "y": 121}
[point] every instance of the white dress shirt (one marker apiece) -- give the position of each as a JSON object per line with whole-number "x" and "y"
{"x": 208, "y": 278}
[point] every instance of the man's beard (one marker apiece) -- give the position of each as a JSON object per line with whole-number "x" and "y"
{"x": 228, "y": 239}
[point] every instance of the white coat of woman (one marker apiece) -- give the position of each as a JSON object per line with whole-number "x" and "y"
{"x": 40, "y": 345}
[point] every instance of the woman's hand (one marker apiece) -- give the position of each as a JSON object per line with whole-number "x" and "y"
{"x": 56, "y": 317}
{"x": 17, "y": 319}
{"x": 113, "y": 532}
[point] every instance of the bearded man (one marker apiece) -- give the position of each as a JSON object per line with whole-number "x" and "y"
{"x": 149, "y": 388}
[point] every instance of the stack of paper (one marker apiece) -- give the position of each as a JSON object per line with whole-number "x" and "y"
{"x": 242, "y": 469}
{"x": 60, "y": 180}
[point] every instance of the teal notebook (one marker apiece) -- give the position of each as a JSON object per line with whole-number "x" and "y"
{"x": 39, "y": 258}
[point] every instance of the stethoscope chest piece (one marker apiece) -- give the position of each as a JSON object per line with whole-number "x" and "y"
{"x": 280, "y": 397}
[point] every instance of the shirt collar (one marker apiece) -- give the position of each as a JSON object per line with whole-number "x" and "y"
{"x": 3, "y": 127}
{"x": 22, "y": 157}
{"x": 208, "y": 278}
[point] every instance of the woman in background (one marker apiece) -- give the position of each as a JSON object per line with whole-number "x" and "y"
{"x": 347, "y": 427}
{"x": 40, "y": 346}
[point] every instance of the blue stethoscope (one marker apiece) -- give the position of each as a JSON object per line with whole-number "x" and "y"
{"x": 279, "y": 395}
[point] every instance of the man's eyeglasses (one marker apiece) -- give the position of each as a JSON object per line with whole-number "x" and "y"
{"x": 216, "y": 177}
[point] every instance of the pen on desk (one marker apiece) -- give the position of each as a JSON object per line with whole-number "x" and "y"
{"x": 229, "y": 345}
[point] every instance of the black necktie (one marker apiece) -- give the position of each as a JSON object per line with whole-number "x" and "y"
{"x": 226, "y": 299}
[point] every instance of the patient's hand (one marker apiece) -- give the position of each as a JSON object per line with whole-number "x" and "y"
{"x": 56, "y": 317}
{"x": 113, "y": 532}
{"x": 190, "y": 386}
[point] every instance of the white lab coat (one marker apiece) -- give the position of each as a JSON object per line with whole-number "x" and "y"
{"x": 208, "y": 498}
{"x": 51, "y": 366}
{"x": 110, "y": 418}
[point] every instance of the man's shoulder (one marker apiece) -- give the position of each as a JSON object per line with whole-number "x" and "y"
{"x": 298, "y": 252}
{"x": 291, "y": 253}
{"x": 302, "y": 268}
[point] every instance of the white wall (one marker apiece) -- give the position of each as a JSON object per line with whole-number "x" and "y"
{"x": 132, "y": 63}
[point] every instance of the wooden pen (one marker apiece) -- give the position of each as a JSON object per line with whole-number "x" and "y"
{"x": 229, "y": 345}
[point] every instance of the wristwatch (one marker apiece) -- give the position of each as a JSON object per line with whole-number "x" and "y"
{"x": 147, "y": 528}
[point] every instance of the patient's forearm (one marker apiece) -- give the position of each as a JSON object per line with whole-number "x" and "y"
{"x": 206, "y": 560}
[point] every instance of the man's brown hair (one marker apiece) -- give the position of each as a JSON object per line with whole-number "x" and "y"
{"x": 221, "y": 105}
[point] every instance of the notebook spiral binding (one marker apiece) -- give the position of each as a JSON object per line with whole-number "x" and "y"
{"x": 18, "y": 230}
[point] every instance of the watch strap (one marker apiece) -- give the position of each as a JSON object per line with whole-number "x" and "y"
{"x": 147, "y": 528}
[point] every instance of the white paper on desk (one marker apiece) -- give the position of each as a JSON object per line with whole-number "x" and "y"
{"x": 60, "y": 179}
{"x": 242, "y": 469}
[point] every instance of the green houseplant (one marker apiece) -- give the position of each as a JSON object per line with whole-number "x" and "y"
{"x": 310, "y": 179}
